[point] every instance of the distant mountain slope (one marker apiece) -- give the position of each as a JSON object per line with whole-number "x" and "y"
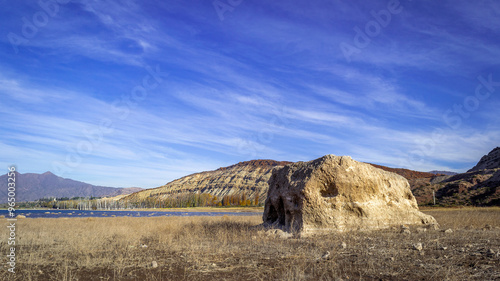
{"x": 408, "y": 174}
{"x": 30, "y": 187}
{"x": 447, "y": 173}
{"x": 489, "y": 161}
{"x": 480, "y": 186}
{"x": 476, "y": 188}
{"x": 249, "y": 177}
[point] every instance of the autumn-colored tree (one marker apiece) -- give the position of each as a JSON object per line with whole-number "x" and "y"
{"x": 225, "y": 200}
{"x": 243, "y": 201}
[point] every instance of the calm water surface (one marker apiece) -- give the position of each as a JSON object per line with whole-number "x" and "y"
{"x": 78, "y": 213}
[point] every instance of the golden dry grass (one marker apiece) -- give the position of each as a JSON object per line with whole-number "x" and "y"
{"x": 230, "y": 248}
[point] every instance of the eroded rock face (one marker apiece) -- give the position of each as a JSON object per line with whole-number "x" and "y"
{"x": 248, "y": 177}
{"x": 336, "y": 193}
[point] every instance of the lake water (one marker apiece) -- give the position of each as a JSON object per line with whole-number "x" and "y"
{"x": 124, "y": 213}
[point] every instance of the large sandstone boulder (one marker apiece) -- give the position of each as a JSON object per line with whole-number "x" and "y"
{"x": 336, "y": 193}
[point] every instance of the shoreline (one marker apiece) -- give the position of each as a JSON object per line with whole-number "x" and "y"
{"x": 185, "y": 210}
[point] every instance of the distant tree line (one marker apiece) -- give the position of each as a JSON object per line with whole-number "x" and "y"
{"x": 182, "y": 200}
{"x": 57, "y": 202}
{"x": 187, "y": 200}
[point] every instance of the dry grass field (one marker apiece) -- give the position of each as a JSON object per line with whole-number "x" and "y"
{"x": 230, "y": 248}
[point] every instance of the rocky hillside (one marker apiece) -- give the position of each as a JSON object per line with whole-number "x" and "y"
{"x": 31, "y": 186}
{"x": 476, "y": 188}
{"x": 490, "y": 161}
{"x": 480, "y": 186}
{"x": 248, "y": 177}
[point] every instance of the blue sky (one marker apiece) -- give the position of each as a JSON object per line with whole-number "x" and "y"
{"x": 138, "y": 93}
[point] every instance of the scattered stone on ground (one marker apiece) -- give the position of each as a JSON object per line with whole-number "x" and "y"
{"x": 491, "y": 253}
{"x": 418, "y": 246}
{"x": 326, "y": 255}
{"x": 282, "y": 234}
{"x": 421, "y": 230}
{"x": 406, "y": 231}
{"x": 276, "y": 233}
{"x": 433, "y": 226}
